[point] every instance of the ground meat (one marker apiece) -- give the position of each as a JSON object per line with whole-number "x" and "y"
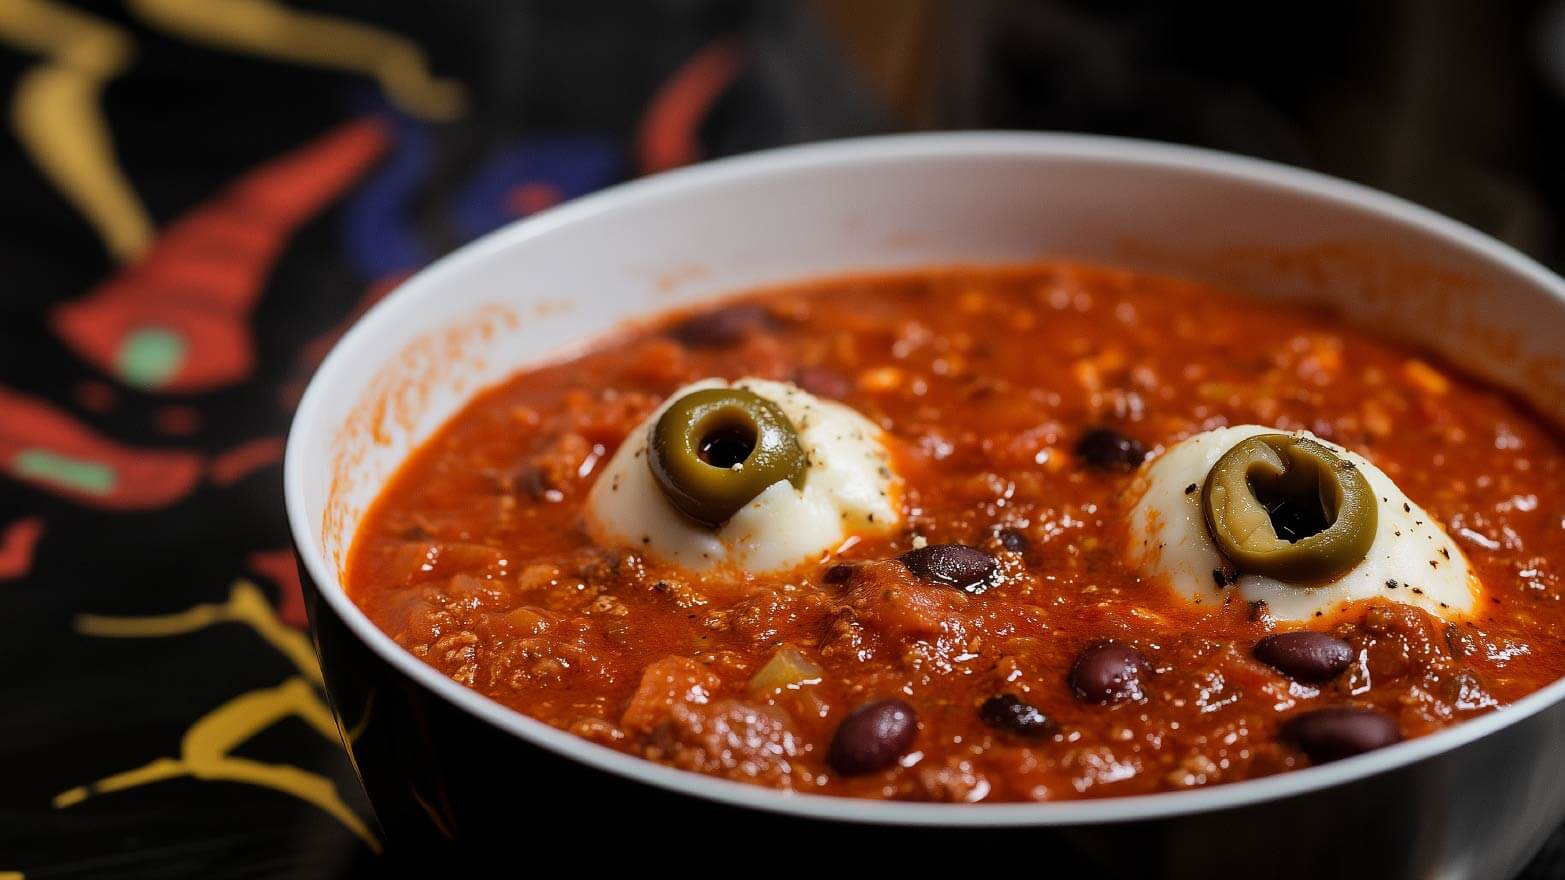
{"x": 1398, "y": 640}
{"x": 1403, "y": 645}
{"x": 728, "y": 738}
{"x": 670, "y": 682}
{"x": 1041, "y": 773}
{"x": 845, "y": 639}
{"x": 760, "y": 617}
{"x": 887, "y": 598}
{"x": 545, "y": 661}
{"x": 954, "y": 780}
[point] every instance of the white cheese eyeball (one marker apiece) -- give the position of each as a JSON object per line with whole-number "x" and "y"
{"x": 1412, "y": 560}
{"x": 850, "y": 489}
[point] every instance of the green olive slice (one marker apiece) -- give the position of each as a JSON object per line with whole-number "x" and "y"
{"x": 712, "y": 451}
{"x": 1288, "y": 508}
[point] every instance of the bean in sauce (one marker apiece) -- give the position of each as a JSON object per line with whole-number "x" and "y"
{"x": 1011, "y": 539}
{"x": 1310, "y": 657}
{"x": 720, "y": 328}
{"x": 1011, "y": 714}
{"x": 1105, "y": 449}
{"x": 954, "y": 565}
{"x": 1109, "y": 672}
{"x": 1340, "y": 732}
{"x": 823, "y": 382}
{"x": 872, "y": 737}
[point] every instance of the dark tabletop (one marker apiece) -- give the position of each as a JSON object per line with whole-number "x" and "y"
{"x": 192, "y": 208}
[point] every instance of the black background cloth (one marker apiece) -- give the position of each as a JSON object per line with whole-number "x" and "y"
{"x": 146, "y": 589}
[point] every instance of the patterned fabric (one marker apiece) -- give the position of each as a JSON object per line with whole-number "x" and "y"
{"x": 199, "y": 198}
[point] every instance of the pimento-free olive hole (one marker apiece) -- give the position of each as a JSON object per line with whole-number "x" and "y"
{"x": 1297, "y": 511}
{"x": 1288, "y": 508}
{"x": 727, "y": 445}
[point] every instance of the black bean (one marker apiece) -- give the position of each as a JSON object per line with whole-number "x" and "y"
{"x": 1011, "y": 539}
{"x": 528, "y": 478}
{"x": 1109, "y": 672}
{"x": 872, "y": 737}
{"x": 1109, "y": 450}
{"x": 536, "y": 483}
{"x": 1011, "y": 714}
{"x": 1311, "y": 657}
{"x": 1340, "y": 732}
{"x": 954, "y": 565}
{"x": 720, "y": 328}
{"x": 838, "y": 574}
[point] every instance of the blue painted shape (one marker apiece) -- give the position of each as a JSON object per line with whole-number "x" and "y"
{"x": 574, "y": 165}
{"x": 379, "y": 236}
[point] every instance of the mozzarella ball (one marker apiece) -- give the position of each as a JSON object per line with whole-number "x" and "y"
{"x": 850, "y": 488}
{"x": 1412, "y": 560}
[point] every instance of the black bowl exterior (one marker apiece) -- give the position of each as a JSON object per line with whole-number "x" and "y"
{"x": 449, "y": 788}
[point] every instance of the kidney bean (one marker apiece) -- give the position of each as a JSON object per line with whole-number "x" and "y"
{"x": 1011, "y": 714}
{"x": 872, "y": 737}
{"x": 720, "y": 328}
{"x": 954, "y": 565}
{"x": 1310, "y": 657}
{"x": 823, "y": 382}
{"x": 1340, "y": 732}
{"x": 1109, "y": 450}
{"x": 1109, "y": 672}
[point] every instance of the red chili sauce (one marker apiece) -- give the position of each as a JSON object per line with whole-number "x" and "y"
{"x": 475, "y": 559}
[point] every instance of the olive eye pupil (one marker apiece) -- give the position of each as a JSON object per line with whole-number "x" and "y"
{"x": 1287, "y": 507}
{"x": 727, "y": 445}
{"x": 1295, "y": 515}
{"x": 714, "y": 450}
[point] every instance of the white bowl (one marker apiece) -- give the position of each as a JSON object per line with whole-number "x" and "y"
{"x": 546, "y": 287}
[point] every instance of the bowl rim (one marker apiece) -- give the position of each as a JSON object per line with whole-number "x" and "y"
{"x": 358, "y": 343}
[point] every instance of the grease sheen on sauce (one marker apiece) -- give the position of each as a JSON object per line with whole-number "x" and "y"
{"x": 474, "y": 558}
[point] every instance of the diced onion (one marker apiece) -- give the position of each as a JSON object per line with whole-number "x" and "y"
{"x": 787, "y": 669}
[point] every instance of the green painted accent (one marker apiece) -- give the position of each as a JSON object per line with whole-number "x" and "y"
{"x": 79, "y": 474}
{"x": 150, "y": 356}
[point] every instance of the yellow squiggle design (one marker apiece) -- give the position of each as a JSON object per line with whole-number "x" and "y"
{"x": 358, "y": 729}
{"x": 204, "y": 754}
{"x": 246, "y": 604}
{"x": 205, "y": 748}
{"x": 266, "y": 28}
{"x": 57, "y": 118}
